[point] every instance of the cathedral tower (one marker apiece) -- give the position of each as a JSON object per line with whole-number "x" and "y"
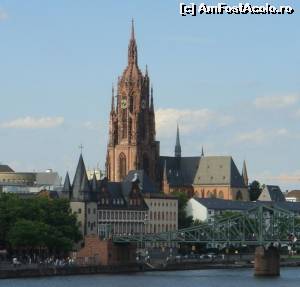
{"x": 132, "y": 143}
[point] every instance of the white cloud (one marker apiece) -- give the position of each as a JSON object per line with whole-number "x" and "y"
{"x": 260, "y": 135}
{"x": 282, "y": 178}
{"x": 91, "y": 126}
{"x": 33, "y": 123}
{"x": 276, "y": 102}
{"x": 189, "y": 120}
{"x": 3, "y": 15}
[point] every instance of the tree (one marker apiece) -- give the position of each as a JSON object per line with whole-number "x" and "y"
{"x": 183, "y": 220}
{"x": 254, "y": 190}
{"x": 37, "y": 223}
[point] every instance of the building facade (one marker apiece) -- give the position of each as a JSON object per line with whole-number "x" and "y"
{"x": 162, "y": 214}
{"x": 133, "y": 206}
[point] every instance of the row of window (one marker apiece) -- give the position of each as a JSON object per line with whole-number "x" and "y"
{"x": 14, "y": 180}
{"x": 133, "y": 202}
{"x": 157, "y": 228}
{"x": 163, "y": 204}
{"x": 121, "y": 215}
{"x": 163, "y": 215}
{"x": 104, "y": 230}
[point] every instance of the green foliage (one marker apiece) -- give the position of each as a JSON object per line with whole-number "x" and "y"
{"x": 254, "y": 190}
{"x": 226, "y": 215}
{"x": 183, "y": 220}
{"x": 37, "y": 223}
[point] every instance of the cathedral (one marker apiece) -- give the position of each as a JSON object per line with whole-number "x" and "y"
{"x": 133, "y": 146}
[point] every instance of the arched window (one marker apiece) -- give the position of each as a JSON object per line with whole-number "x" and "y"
{"x": 122, "y": 166}
{"x": 239, "y": 195}
{"x": 221, "y": 194}
{"x": 208, "y": 195}
{"x": 214, "y": 195}
{"x": 202, "y": 193}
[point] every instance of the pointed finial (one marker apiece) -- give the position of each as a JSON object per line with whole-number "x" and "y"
{"x": 81, "y": 148}
{"x": 202, "y": 152}
{"x": 112, "y": 98}
{"x": 177, "y": 145}
{"x": 146, "y": 73}
{"x": 132, "y": 28}
{"x": 151, "y": 99}
{"x": 245, "y": 174}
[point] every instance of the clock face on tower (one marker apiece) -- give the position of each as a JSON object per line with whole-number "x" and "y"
{"x": 123, "y": 104}
{"x": 143, "y": 104}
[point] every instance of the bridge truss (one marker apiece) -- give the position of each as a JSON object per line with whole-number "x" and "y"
{"x": 258, "y": 226}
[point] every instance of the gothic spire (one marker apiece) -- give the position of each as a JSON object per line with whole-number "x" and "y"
{"x": 132, "y": 48}
{"x": 132, "y": 29}
{"x": 67, "y": 184}
{"x": 146, "y": 72}
{"x": 112, "y": 99}
{"x": 202, "y": 151}
{"x": 177, "y": 145}
{"x": 80, "y": 182}
{"x": 245, "y": 174}
{"x": 151, "y": 100}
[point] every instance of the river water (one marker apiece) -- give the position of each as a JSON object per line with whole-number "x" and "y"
{"x": 290, "y": 277}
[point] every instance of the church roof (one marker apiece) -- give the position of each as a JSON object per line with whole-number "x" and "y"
{"x": 218, "y": 170}
{"x": 204, "y": 170}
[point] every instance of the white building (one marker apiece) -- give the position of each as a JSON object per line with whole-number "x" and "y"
{"x": 204, "y": 209}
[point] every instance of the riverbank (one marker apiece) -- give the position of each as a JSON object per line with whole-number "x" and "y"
{"x": 130, "y": 268}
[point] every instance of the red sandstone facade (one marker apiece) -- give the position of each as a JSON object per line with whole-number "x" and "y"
{"x": 132, "y": 143}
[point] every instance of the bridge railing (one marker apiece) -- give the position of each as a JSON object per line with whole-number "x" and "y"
{"x": 258, "y": 226}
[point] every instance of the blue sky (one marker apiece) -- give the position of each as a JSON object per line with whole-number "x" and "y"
{"x": 232, "y": 82}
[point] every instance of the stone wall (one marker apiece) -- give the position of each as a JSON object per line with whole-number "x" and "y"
{"x": 105, "y": 252}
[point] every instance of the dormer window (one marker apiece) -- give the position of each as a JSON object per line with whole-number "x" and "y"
{"x": 107, "y": 201}
{"x": 114, "y": 202}
{"x": 118, "y": 201}
{"x": 102, "y": 201}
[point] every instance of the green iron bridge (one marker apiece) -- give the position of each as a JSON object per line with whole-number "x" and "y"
{"x": 261, "y": 225}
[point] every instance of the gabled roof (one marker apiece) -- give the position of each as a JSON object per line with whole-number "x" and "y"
{"x": 218, "y": 170}
{"x": 271, "y": 193}
{"x": 5, "y": 168}
{"x": 222, "y": 204}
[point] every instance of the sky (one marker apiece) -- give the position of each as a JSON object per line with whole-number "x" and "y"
{"x": 231, "y": 82}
